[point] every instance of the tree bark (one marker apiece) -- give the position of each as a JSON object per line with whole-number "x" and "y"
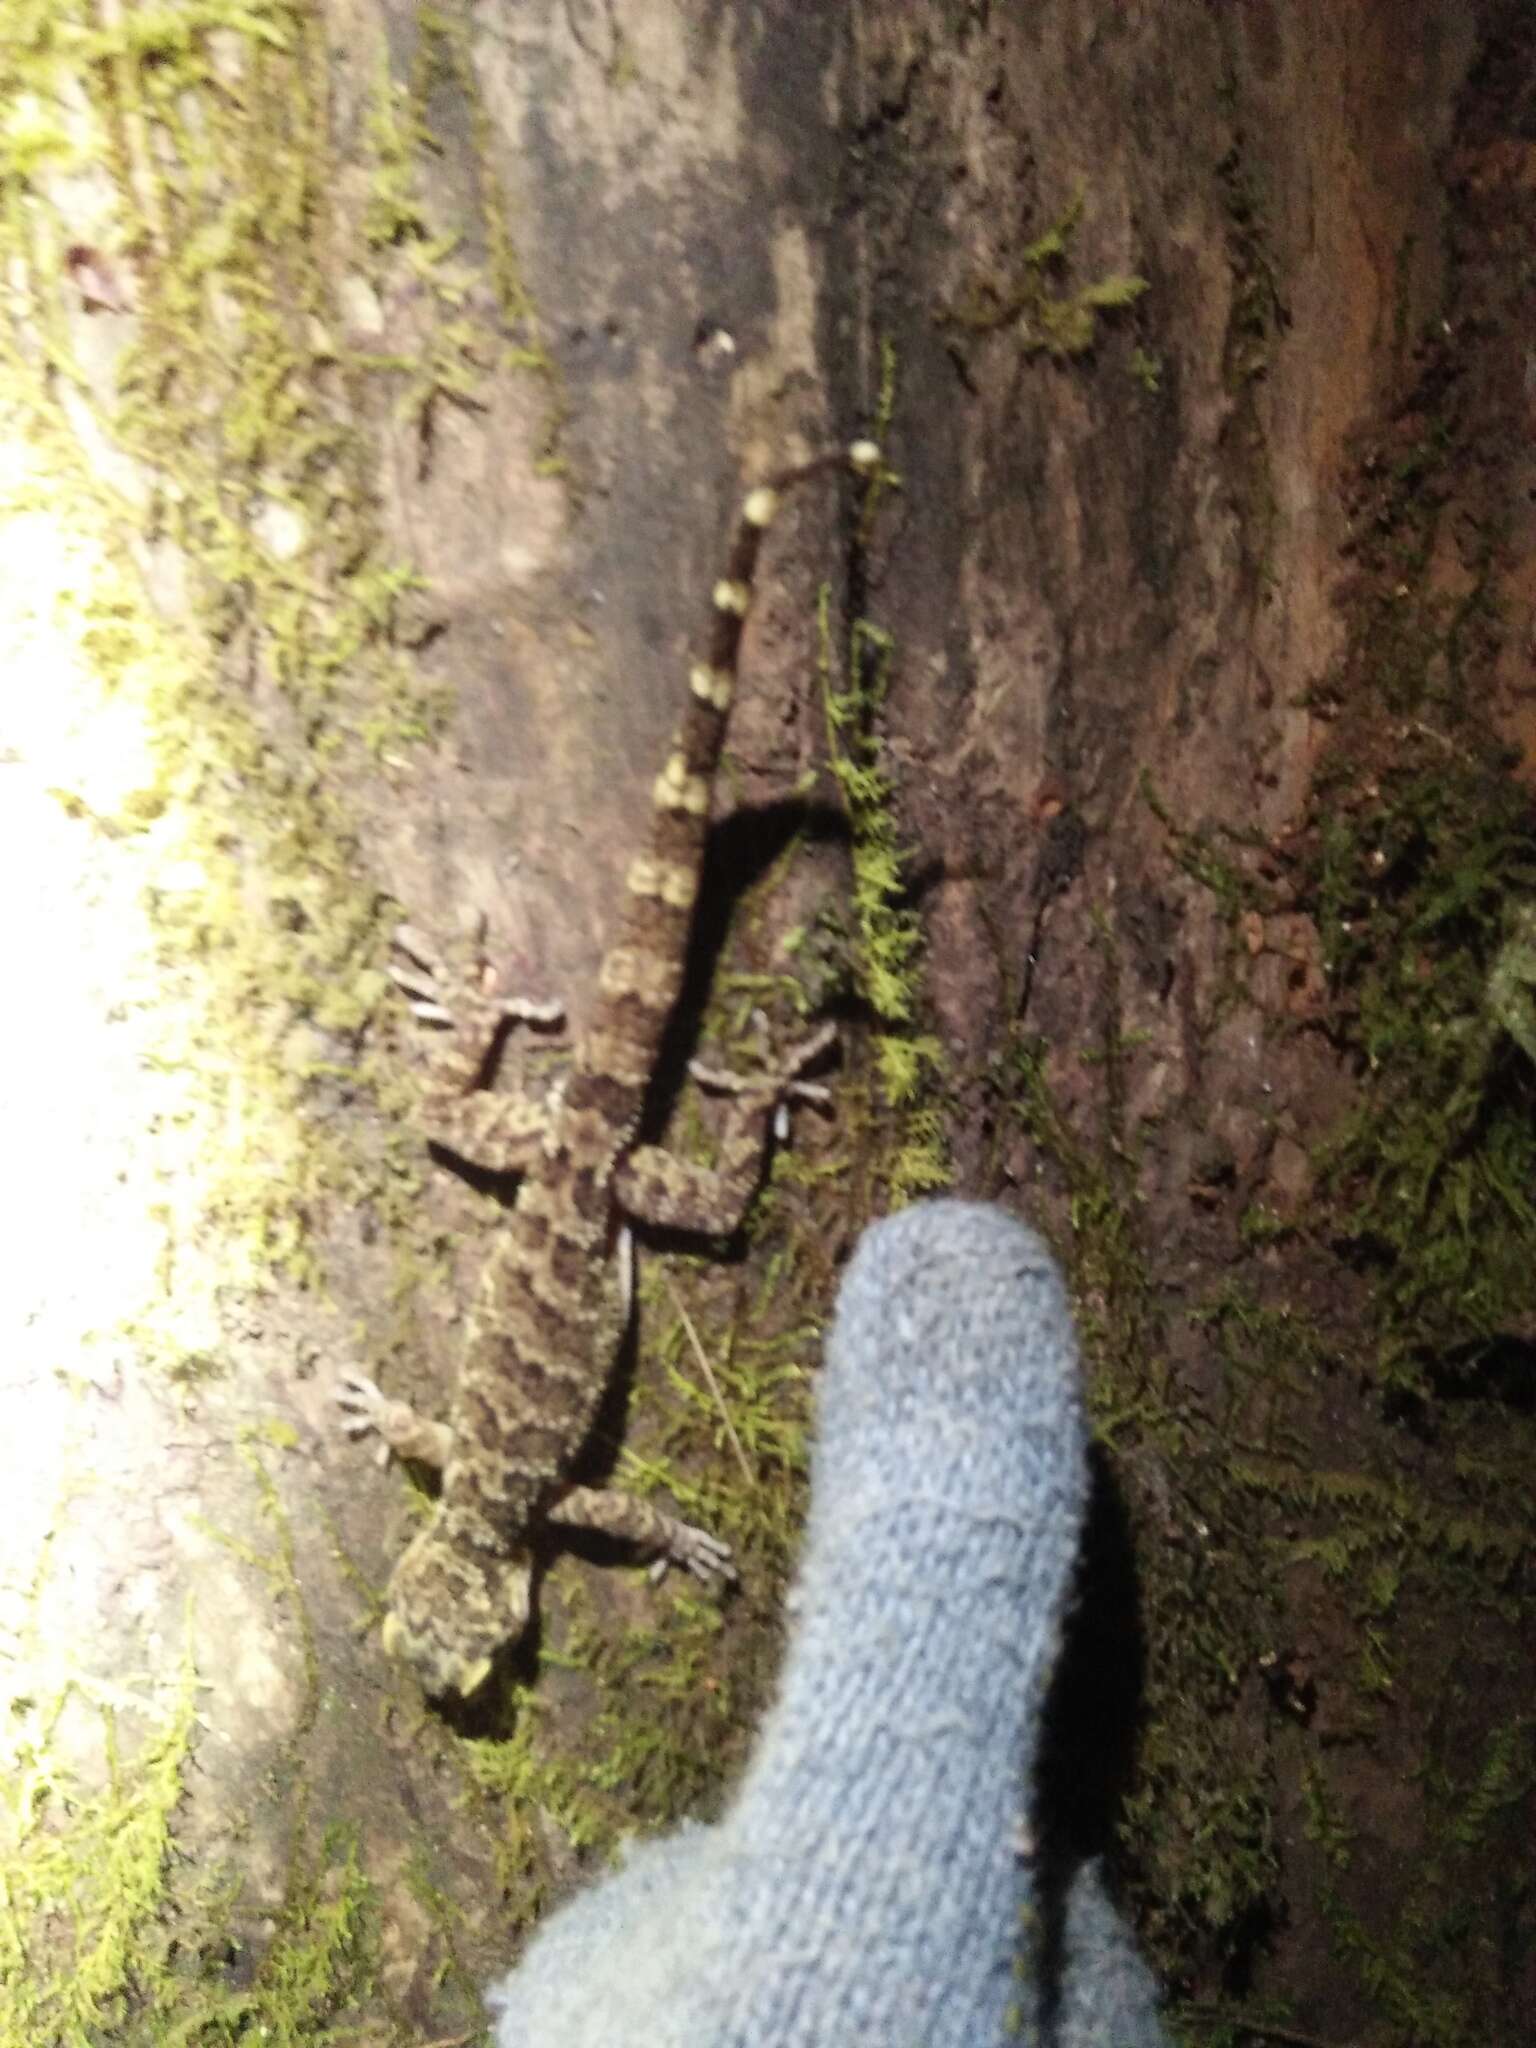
{"x": 380, "y": 382}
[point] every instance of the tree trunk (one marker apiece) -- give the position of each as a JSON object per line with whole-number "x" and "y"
{"x": 376, "y": 384}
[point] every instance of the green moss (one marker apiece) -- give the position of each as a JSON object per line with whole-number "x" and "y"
{"x": 250, "y": 421}
{"x": 1198, "y": 851}
{"x": 1396, "y": 1532}
{"x": 231, "y": 409}
{"x": 887, "y": 932}
{"x": 1046, "y": 320}
{"x": 82, "y": 1873}
{"x": 108, "y": 1933}
{"x": 1429, "y": 1970}
{"x": 540, "y": 1783}
{"x": 250, "y": 614}
{"x": 315, "y": 1976}
{"x": 1419, "y": 881}
{"x": 1419, "y": 870}
{"x": 1198, "y": 1825}
{"x": 1213, "y": 1466}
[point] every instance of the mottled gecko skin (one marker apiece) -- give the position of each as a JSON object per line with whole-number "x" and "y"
{"x": 550, "y": 1312}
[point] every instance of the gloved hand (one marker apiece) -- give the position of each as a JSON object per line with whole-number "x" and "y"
{"x": 868, "y": 1887}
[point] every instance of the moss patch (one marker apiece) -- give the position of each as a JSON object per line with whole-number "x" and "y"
{"x": 197, "y": 263}
{"x": 1323, "y": 1441}
{"x": 1046, "y": 319}
{"x": 886, "y": 934}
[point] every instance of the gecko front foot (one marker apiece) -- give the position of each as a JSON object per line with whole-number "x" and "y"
{"x": 363, "y": 1408}
{"x": 459, "y": 990}
{"x": 500, "y": 1130}
{"x": 366, "y": 1409}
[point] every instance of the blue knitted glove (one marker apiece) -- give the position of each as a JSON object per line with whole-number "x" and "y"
{"x": 866, "y": 1885}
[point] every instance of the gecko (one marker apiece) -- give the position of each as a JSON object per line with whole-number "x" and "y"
{"x": 553, "y": 1301}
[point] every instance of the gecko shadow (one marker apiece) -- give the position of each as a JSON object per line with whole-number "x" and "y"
{"x": 741, "y": 851}
{"x": 1091, "y": 1724}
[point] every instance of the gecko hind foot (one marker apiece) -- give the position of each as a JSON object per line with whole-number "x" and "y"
{"x": 780, "y": 1078}
{"x": 665, "y": 1537}
{"x": 707, "y": 1557}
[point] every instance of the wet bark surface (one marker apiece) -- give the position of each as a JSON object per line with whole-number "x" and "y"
{"x": 1155, "y": 664}
{"x": 1199, "y": 335}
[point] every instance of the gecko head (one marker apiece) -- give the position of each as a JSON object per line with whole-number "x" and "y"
{"x": 451, "y": 1611}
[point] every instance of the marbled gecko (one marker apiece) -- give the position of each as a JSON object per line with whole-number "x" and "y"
{"x": 553, "y": 1301}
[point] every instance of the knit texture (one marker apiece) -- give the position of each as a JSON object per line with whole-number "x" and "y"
{"x": 866, "y": 1884}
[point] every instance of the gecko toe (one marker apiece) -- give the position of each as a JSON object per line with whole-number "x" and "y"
{"x": 361, "y": 1403}
{"x": 706, "y": 1557}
